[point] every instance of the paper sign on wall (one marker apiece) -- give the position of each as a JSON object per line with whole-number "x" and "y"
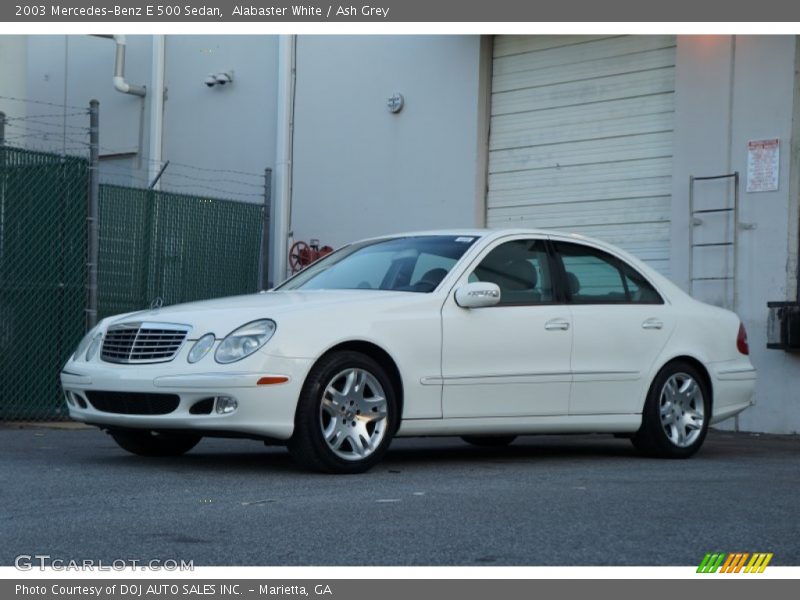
{"x": 763, "y": 158}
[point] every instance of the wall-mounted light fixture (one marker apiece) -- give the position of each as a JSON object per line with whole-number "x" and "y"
{"x": 395, "y": 102}
{"x": 219, "y": 79}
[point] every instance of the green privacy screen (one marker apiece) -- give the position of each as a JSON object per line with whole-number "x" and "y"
{"x": 42, "y": 277}
{"x": 174, "y": 247}
{"x": 152, "y": 244}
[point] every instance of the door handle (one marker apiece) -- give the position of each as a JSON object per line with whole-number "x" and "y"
{"x": 652, "y": 324}
{"x": 557, "y": 324}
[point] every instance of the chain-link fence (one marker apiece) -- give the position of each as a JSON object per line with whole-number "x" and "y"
{"x": 151, "y": 244}
{"x": 174, "y": 247}
{"x": 42, "y": 277}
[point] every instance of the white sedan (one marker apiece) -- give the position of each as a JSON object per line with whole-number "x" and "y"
{"x": 481, "y": 334}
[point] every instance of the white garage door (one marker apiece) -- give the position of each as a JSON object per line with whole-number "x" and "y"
{"x": 581, "y": 138}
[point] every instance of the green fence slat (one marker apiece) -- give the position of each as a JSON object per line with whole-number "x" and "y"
{"x": 152, "y": 244}
{"x": 174, "y": 246}
{"x": 42, "y": 277}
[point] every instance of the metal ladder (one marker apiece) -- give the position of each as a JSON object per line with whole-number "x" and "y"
{"x": 696, "y": 221}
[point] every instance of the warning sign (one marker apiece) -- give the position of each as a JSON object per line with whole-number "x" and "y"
{"x": 763, "y": 158}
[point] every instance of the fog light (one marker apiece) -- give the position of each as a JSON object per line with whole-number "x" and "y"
{"x": 225, "y": 405}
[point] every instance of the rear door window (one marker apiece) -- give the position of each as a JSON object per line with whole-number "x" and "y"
{"x": 596, "y": 277}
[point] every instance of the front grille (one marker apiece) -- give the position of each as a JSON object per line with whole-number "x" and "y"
{"x": 133, "y": 403}
{"x": 143, "y": 342}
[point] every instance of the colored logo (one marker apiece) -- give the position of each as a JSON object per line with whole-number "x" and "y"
{"x": 735, "y": 562}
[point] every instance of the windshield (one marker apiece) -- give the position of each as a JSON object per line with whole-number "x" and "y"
{"x": 408, "y": 264}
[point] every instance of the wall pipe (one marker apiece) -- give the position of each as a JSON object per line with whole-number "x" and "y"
{"x": 120, "y": 84}
{"x": 156, "y": 136}
{"x": 279, "y": 246}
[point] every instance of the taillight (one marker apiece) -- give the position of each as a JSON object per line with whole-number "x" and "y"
{"x": 741, "y": 340}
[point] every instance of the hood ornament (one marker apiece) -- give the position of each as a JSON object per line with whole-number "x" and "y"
{"x": 157, "y": 303}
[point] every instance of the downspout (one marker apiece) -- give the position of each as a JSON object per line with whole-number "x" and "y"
{"x": 156, "y": 136}
{"x": 119, "y": 68}
{"x": 281, "y": 210}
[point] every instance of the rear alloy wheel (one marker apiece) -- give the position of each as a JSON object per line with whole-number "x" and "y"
{"x": 676, "y": 413}
{"x": 149, "y": 443}
{"x": 489, "y": 441}
{"x": 346, "y": 415}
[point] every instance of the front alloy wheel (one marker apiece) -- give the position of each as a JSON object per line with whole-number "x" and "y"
{"x": 353, "y": 414}
{"x": 676, "y": 413}
{"x": 346, "y": 414}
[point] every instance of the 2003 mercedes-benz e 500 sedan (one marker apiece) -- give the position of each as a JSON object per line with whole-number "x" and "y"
{"x": 481, "y": 334}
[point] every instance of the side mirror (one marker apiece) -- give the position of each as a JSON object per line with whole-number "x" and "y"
{"x": 477, "y": 295}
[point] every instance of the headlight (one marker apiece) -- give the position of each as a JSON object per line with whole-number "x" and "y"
{"x": 244, "y": 341}
{"x": 94, "y": 346}
{"x": 201, "y": 347}
{"x": 84, "y": 343}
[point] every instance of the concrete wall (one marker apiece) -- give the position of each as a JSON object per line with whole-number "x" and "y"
{"x": 229, "y": 127}
{"x": 360, "y": 170}
{"x": 13, "y": 83}
{"x": 73, "y": 69}
{"x": 213, "y": 130}
{"x": 730, "y": 90}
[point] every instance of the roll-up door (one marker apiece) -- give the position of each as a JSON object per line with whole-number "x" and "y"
{"x": 581, "y": 138}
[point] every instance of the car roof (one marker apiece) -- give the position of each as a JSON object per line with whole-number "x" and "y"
{"x": 492, "y": 234}
{"x": 489, "y": 235}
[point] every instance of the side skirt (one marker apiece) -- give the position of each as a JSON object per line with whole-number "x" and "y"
{"x": 626, "y": 423}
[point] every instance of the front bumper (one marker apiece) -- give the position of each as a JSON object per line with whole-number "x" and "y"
{"x": 263, "y": 410}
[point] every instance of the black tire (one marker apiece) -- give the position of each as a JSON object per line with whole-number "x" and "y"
{"x": 148, "y": 443}
{"x": 652, "y": 438}
{"x": 307, "y": 444}
{"x": 489, "y": 441}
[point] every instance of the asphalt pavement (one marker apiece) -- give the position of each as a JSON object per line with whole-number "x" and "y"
{"x": 545, "y": 500}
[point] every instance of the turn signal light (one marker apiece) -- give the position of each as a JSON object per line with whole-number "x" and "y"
{"x": 272, "y": 380}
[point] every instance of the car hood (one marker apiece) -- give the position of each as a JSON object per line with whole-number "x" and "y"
{"x": 222, "y": 315}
